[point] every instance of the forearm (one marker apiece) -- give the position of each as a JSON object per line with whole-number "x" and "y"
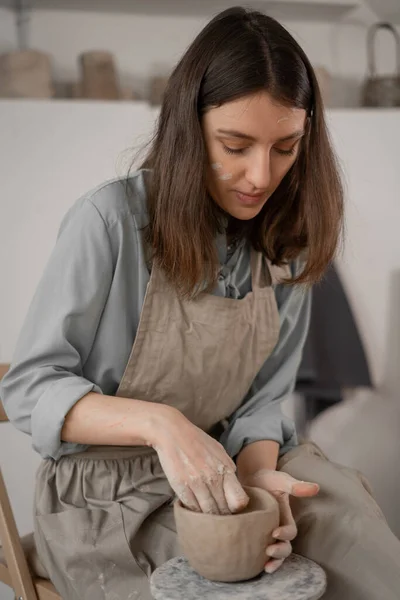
{"x": 255, "y": 457}
{"x": 110, "y": 420}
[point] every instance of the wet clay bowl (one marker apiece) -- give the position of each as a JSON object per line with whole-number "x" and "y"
{"x": 229, "y": 548}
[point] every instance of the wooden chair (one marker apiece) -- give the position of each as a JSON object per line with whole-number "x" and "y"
{"x": 14, "y": 569}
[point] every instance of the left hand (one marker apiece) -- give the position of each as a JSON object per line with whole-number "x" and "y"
{"x": 281, "y": 486}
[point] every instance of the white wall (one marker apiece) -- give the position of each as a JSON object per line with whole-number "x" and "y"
{"x": 366, "y": 141}
{"x": 50, "y": 154}
{"x": 148, "y": 45}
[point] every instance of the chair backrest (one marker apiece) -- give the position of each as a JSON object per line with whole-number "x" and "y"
{"x": 17, "y": 565}
{"x": 9, "y": 537}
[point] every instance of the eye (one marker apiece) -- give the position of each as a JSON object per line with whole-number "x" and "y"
{"x": 233, "y": 150}
{"x": 289, "y": 152}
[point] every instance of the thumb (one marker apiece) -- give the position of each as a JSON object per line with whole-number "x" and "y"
{"x": 300, "y": 489}
{"x": 304, "y": 489}
{"x": 280, "y": 482}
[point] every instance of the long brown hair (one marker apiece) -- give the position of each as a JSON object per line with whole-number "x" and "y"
{"x": 238, "y": 53}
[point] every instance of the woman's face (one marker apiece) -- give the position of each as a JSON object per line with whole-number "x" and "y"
{"x": 251, "y": 145}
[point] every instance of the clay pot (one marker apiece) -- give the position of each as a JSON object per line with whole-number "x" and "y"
{"x": 229, "y": 547}
{"x": 99, "y": 78}
{"x": 25, "y": 74}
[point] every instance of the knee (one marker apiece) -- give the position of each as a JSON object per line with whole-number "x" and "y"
{"x": 328, "y": 531}
{"x": 342, "y": 490}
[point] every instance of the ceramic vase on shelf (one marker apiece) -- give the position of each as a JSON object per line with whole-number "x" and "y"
{"x": 99, "y": 80}
{"x": 25, "y": 74}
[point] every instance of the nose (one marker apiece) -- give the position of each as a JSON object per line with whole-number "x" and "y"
{"x": 258, "y": 171}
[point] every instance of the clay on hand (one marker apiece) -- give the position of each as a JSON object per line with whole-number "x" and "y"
{"x": 197, "y": 467}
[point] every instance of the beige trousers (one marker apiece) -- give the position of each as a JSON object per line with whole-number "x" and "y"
{"x": 343, "y": 529}
{"x": 106, "y": 549}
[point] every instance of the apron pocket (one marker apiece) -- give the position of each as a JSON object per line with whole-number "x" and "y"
{"x": 157, "y": 541}
{"x": 87, "y": 555}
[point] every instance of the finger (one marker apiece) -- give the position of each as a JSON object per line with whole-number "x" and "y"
{"x": 216, "y": 488}
{"x": 286, "y": 516}
{"x": 277, "y": 481}
{"x": 273, "y": 565}
{"x": 229, "y": 463}
{"x": 187, "y": 498}
{"x": 279, "y": 550}
{"x": 288, "y": 528}
{"x": 236, "y": 497}
{"x": 204, "y": 497}
{"x": 287, "y": 533}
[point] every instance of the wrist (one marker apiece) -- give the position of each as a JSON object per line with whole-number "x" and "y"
{"x": 156, "y": 423}
{"x": 257, "y": 457}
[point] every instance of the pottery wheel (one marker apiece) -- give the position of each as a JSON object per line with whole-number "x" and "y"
{"x": 298, "y": 579}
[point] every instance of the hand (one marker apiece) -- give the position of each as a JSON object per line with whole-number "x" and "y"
{"x": 281, "y": 486}
{"x": 197, "y": 467}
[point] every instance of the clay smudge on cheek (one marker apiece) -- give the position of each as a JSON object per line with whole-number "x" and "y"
{"x": 221, "y": 176}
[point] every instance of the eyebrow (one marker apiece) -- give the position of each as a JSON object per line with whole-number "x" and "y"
{"x": 244, "y": 136}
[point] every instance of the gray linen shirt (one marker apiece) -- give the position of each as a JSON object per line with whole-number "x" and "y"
{"x": 82, "y": 322}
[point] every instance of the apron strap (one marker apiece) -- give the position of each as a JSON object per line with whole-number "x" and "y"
{"x": 260, "y": 271}
{"x": 279, "y": 273}
{"x": 265, "y": 274}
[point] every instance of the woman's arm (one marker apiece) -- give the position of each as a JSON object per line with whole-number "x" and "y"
{"x": 196, "y": 465}
{"x": 97, "y": 419}
{"x": 255, "y": 457}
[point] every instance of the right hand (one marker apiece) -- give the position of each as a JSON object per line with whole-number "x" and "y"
{"x": 197, "y": 467}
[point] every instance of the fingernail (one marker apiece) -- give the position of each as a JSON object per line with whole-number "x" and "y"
{"x": 269, "y": 569}
{"x": 276, "y": 534}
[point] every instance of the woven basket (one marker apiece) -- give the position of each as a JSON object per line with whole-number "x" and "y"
{"x": 381, "y": 91}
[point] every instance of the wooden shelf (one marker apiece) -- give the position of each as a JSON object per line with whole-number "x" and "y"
{"x": 304, "y": 10}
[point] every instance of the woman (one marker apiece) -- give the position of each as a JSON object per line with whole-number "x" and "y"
{"x": 169, "y": 325}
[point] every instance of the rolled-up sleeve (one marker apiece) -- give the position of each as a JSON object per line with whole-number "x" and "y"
{"x": 260, "y": 417}
{"x": 46, "y": 378}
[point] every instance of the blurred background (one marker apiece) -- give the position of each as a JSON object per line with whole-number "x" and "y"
{"x": 80, "y": 86}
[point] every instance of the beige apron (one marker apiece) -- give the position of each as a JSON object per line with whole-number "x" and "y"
{"x": 202, "y": 356}
{"x": 104, "y": 517}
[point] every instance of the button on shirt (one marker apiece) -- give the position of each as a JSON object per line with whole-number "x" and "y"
{"x": 82, "y": 322}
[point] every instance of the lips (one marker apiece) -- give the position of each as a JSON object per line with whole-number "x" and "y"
{"x": 249, "y": 199}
